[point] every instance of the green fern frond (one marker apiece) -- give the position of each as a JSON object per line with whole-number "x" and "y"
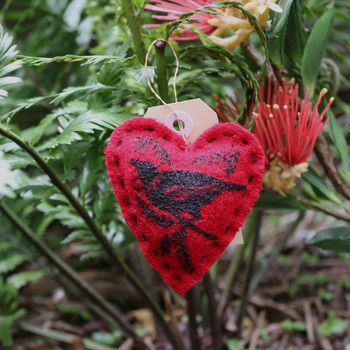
{"x": 7, "y": 65}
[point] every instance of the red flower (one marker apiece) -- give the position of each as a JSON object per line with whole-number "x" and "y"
{"x": 286, "y": 129}
{"x": 175, "y": 8}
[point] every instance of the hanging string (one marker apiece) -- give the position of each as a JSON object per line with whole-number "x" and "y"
{"x": 174, "y": 83}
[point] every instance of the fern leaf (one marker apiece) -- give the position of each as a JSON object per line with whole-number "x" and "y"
{"x": 7, "y": 54}
{"x": 20, "y": 279}
{"x": 86, "y": 123}
{"x": 10, "y": 262}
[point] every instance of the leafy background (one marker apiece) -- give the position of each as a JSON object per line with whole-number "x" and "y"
{"x": 74, "y": 76}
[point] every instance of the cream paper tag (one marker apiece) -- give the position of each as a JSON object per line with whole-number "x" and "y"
{"x": 197, "y": 117}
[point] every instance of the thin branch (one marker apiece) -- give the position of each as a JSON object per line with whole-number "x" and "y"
{"x": 170, "y": 311}
{"x": 57, "y": 278}
{"x": 253, "y": 54}
{"x": 325, "y": 157}
{"x": 310, "y": 204}
{"x": 80, "y": 209}
{"x": 248, "y": 272}
{"x": 192, "y": 322}
{"x": 266, "y": 266}
{"x": 60, "y": 336}
{"x": 213, "y": 317}
{"x": 71, "y": 275}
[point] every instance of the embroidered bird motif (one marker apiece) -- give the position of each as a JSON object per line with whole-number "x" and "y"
{"x": 179, "y": 191}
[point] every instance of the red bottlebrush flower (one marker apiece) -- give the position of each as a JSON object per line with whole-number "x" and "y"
{"x": 175, "y": 8}
{"x": 287, "y": 129}
{"x": 228, "y": 113}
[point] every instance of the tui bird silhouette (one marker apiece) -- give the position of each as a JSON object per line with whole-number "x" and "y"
{"x": 179, "y": 191}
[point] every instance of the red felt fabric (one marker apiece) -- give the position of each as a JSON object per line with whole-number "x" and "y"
{"x": 184, "y": 203}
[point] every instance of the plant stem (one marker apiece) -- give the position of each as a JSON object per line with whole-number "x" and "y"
{"x": 170, "y": 311}
{"x": 55, "y": 277}
{"x": 253, "y": 54}
{"x": 277, "y": 250}
{"x": 213, "y": 317}
{"x": 309, "y": 204}
{"x": 59, "y": 336}
{"x": 162, "y": 80}
{"x": 236, "y": 264}
{"x": 116, "y": 261}
{"x": 248, "y": 272}
{"x": 135, "y": 29}
{"x": 192, "y": 322}
{"x": 71, "y": 275}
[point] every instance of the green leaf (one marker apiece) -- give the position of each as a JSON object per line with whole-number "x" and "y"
{"x": 276, "y": 37}
{"x": 68, "y": 92}
{"x": 317, "y": 182}
{"x": 20, "y": 279}
{"x": 87, "y": 123}
{"x": 338, "y": 138}
{"x": 78, "y": 234}
{"x": 315, "y": 48}
{"x": 295, "y": 37}
{"x": 7, "y": 65}
{"x": 220, "y": 54}
{"x": 274, "y": 201}
{"x": 5, "y": 333}
{"x": 72, "y": 157}
{"x": 73, "y": 309}
{"x": 110, "y": 74}
{"x": 38, "y": 185}
{"x": 10, "y": 262}
{"x": 323, "y": 294}
{"x": 92, "y": 254}
{"x": 333, "y": 325}
{"x": 333, "y": 239}
{"x": 84, "y": 60}
{"x": 235, "y": 344}
{"x": 290, "y": 325}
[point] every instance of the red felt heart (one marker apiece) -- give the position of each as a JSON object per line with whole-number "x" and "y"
{"x": 184, "y": 203}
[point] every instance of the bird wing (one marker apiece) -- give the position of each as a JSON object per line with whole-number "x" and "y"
{"x": 182, "y": 193}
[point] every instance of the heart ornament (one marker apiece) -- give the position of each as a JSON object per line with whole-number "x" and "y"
{"x": 184, "y": 203}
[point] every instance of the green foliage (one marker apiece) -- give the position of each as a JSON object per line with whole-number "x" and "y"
{"x": 72, "y": 309}
{"x": 107, "y": 338}
{"x": 9, "y": 311}
{"x": 320, "y": 185}
{"x": 309, "y": 280}
{"x": 20, "y": 279}
{"x": 270, "y": 201}
{"x": 295, "y": 37}
{"x": 314, "y": 49}
{"x": 338, "y": 138}
{"x": 323, "y": 294}
{"x": 310, "y": 258}
{"x": 7, "y": 55}
{"x": 277, "y": 36}
{"x": 333, "y": 325}
{"x": 344, "y": 282}
{"x": 235, "y": 344}
{"x": 334, "y": 239}
{"x": 290, "y": 325}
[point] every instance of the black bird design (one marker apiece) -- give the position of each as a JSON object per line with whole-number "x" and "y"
{"x": 179, "y": 191}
